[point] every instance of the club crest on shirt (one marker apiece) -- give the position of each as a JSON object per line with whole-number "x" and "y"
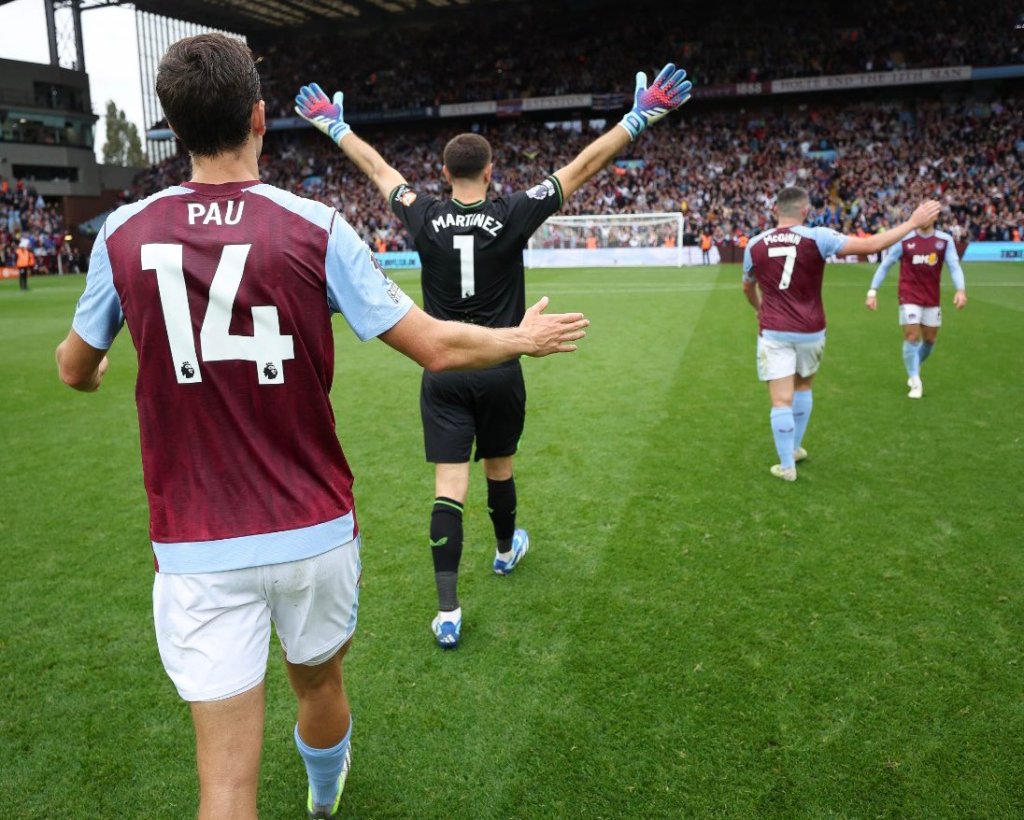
{"x": 405, "y": 195}
{"x": 542, "y": 191}
{"x": 940, "y": 245}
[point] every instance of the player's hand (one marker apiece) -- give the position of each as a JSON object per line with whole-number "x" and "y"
{"x": 960, "y": 299}
{"x": 871, "y": 302}
{"x": 669, "y": 90}
{"x": 553, "y": 332}
{"x": 926, "y": 214}
{"x": 329, "y": 117}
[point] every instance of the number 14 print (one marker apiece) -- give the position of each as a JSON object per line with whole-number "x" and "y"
{"x": 266, "y": 347}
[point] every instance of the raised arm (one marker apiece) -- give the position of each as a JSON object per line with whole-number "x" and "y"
{"x": 439, "y": 345}
{"x": 313, "y": 105}
{"x": 924, "y": 215}
{"x": 669, "y": 90}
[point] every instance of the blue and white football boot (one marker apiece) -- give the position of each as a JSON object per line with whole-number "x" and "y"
{"x": 520, "y": 546}
{"x": 447, "y": 627}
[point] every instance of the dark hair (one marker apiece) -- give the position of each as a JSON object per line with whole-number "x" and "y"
{"x": 207, "y": 86}
{"x": 791, "y": 200}
{"x": 467, "y": 155}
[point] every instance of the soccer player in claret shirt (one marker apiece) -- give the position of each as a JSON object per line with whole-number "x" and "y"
{"x": 786, "y": 264}
{"x": 471, "y": 249}
{"x": 920, "y": 256}
{"x": 228, "y": 287}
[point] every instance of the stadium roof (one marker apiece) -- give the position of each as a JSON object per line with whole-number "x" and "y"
{"x": 260, "y": 16}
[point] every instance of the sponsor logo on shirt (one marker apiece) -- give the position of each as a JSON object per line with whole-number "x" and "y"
{"x": 925, "y": 258}
{"x": 542, "y": 191}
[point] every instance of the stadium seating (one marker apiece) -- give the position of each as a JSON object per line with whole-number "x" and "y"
{"x": 862, "y": 164}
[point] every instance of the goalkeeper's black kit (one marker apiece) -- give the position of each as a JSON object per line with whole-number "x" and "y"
{"x": 472, "y": 271}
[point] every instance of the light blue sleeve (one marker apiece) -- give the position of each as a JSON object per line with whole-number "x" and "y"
{"x": 357, "y": 286}
{"x": 748, "y": 264}
{"x": 829, "y": 242}
{"x": 956, "y": 273}
{"x": 891, "y": 257}
{"x": 99, "y": 317}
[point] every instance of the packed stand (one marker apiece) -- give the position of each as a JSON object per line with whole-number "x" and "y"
{"x": 863, "y": 164}
{"x": 539, "y": 49}
{"x": 28, "y": 221}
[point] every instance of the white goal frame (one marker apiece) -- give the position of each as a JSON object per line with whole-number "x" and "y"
{"x": 538, "y": 256}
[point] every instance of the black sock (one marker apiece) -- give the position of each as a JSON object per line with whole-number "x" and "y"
{"x": 501, "y": 504}
{"x": 446, "y": 548}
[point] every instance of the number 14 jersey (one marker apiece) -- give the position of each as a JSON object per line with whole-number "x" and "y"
{"x": 228, "y": 292}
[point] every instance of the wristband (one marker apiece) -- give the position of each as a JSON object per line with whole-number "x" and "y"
{"x": 872, "y": 293}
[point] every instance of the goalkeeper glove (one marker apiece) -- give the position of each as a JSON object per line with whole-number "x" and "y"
{"x": 313, "y": 106}
{"x": 669, "y": 90}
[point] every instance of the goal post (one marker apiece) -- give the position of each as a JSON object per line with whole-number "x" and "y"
{"x": 606, "y": 240}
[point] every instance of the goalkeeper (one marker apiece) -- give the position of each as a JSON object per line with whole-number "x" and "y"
{"x": 471, "y": 251}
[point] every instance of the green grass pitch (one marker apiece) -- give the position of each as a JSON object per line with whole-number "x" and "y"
{"x": 689, "y": 637}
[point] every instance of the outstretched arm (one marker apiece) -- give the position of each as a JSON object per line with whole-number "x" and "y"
{"x": 669, "y": 90}
{"x": 924, "y": 215}
{"x": 439, "y": 345}
{"x": 326, "y": 116}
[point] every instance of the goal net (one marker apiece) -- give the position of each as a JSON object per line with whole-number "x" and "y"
{"x": 603, "y": 240}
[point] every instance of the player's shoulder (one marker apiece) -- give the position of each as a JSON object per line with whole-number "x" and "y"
{"x": 758, "y": 238}
{"x": 945, "y": 237}
{"x": 121, "y": 215}
{"x": 815, "y": 231}
{"x": 310, "y": 210}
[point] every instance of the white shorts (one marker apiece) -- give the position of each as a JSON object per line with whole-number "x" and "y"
{"x": 776, "y": 360}
{"x": 213, "y": 628}
{"x": 917, "y": 315}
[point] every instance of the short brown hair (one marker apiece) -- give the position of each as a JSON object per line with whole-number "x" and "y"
{"x": 790, "y": 200}
{"x": 467, "y": 155}
{"x": 207, "y": 86}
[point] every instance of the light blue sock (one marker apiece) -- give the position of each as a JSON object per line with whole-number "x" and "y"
{"x": 926, "y": 351}
{"x": 783, "y": 429}
{"x": 323, "y": 767}
{"x": 912, "y": 358}
{"x": 803, "y": 403}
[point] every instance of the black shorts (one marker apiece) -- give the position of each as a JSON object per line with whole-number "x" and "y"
{"x": 486, "y": 405}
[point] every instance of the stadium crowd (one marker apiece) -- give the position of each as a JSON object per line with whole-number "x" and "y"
{"x": 863, "y": 164}
{"x": 26, "y": 219}
{"x": 522, "y": 50}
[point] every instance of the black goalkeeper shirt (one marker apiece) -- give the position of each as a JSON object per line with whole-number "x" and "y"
{"x": 472, "y": 254}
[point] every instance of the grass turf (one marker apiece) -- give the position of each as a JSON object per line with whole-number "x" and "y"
{"x": 688, "y": 636}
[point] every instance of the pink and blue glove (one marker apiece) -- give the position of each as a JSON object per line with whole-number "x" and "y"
{"x": 315, "y": 108}
{"x": 669, "y": 90}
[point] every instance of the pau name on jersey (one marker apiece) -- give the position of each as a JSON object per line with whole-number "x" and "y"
{"x": 486, "y": 222}
{"x": 211, "y": 214}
